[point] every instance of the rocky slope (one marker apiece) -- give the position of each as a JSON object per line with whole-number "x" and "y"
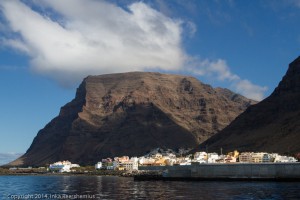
{"x": 272, "y": 125}
{"x": 132, "y": 113}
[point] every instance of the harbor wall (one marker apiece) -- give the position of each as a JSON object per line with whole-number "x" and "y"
{"x": 231, "y": 171}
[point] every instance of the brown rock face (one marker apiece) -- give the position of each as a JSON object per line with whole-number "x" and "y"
{"x": 272, "y": 125}
{"x": 132, "y": 113}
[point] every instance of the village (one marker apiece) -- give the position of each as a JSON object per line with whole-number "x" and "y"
{"x": 159, "y": 157}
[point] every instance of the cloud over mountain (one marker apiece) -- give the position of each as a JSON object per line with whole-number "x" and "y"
{"x": 68, "y": 40}
{"x": 92, "y": 37}
{"x": 219, "y": 70}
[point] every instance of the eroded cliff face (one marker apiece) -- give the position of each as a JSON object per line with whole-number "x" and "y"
{"x": 132, "y": 113}
{"x": 272, "y": 125}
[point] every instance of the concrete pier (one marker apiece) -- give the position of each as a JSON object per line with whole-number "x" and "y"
{"x": 237, "y": 171}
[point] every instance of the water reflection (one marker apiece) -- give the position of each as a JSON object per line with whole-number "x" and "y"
{"x": 107, "y": 187}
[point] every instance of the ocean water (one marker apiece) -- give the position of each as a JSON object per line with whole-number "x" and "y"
{"x": 110, "y": 187}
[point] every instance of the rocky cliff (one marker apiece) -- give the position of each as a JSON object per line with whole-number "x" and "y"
{"x": 272, "y": 125}
{"x": 132, "y": 113}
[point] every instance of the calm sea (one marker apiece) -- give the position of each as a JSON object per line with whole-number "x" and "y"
{"x": 109, "y": 187}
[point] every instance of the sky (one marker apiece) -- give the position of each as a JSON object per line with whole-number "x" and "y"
{"x": 48, "y": 46}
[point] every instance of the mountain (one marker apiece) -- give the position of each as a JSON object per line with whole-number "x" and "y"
{"x": 273, "y": 125}
{"x": 131, "y": 114}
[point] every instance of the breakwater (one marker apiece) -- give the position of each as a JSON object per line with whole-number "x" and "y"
{"x": 237, "y": 171}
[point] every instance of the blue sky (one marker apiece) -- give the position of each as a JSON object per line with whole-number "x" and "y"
{"x": 48, "y": 46}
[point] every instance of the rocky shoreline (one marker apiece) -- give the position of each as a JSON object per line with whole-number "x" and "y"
{"x": 141, "y": 173}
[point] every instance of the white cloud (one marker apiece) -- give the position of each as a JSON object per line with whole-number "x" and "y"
{"x": 94, "y": 37}
{"x": 68, "y": 40}
{"x": 16, "y": 44}
{"x": 246, "y": 88}
{"x": 218, "y": 69}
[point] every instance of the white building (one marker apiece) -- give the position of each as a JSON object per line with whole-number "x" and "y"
{"x": 212, "y": 157}
{"x": 257, "y": 157}
{"x": 185, "y": 163}
{"x": 62, "y": 166}
{"x": 98, "y": 165}
{"x": 200, "y": 157}
{"x": 129, "y": 165}
{"x": 203, "y": 157}
{"x": 284, "y": 159}
{"x": 146, "y": 161}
